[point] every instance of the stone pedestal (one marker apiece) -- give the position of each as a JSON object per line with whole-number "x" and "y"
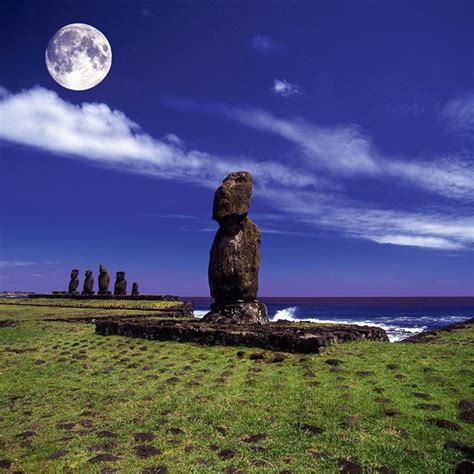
{"x": 238, "y": 313}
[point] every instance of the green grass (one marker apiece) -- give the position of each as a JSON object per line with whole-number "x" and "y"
{"x": 199, "y": 401}
{"x": 92, "y": 303}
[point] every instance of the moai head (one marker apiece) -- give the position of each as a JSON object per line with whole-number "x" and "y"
{"x": 74, "y": 274}
{"x": 232, "y": 199}
{"x": 102, "y": 269}
{"x": 88, "y": 273}
{"x": 120, "y": 276}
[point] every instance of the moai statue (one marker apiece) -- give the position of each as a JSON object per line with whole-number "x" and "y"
{"x": 235, "y": 256}
{"x": 120, "y": 288}
{"x": 74, "y": 282}
{"x": 88, "y": 288}
{"x": 135, "y": 290}
{"x": 104, "y": 281}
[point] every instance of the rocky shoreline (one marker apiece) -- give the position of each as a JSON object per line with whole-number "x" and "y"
{"x": 428, "y": 336}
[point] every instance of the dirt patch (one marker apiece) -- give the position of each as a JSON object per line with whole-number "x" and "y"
{"x": 140, "y": 437}
{"x": 8, "y": 323}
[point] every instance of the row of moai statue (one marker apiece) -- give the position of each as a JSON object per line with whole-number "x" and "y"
{"x": 120, "y": 286}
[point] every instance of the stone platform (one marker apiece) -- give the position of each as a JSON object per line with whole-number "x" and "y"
{"x": 65, "y": 295}
{"x": 278, "y": 336}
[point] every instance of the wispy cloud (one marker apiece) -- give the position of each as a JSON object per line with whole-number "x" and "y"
{"x": 265, "y": 45}
{"x": 17, "y": 263}
{"x": 458, "y": 115}
{"x": 285, "y": 89}
{"x": 306, "y": 194}
{"x": 346, "y": 150}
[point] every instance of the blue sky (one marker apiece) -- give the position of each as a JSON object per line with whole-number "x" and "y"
{"x": 355, "y": 118}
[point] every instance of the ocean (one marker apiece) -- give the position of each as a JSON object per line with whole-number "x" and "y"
{"x": 400, "y": 317}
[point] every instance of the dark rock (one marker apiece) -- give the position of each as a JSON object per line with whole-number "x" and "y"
{"x": 155, "y": 470}
{"x": 333, "y": 362}
{"x": 104, "y": 458}
{"x": 364, "y": 373}
{"x": 57, "y": 455}
{"x": 393, "y": 366}
{"x": 449, "y": 425}
{"x": 347, "y": 466}
{"x": 466, "y": 405}
{"x": 135, "y": 289}
{"x": 140, "y": 437}
{"x": 5, "y": 463}
{"x": 278, "y": 336}
{"x": 104, "y": 281}
{"x": 278, "y": 357}
{"x": 255, "y": 438}
{"x": 314, "y": 430}
{"x": 392, "y": 412}
{"x": 256, "y": 356}
{"x": 120, "y": 287}
{"x": 465, "y": 467}
{"x": 88, "y": 288}
{"x": 74, "y": 282}
{"x": 468, "y": 451}
{"x": 428, "y": 406}
{"x": 467, "y": 416}
{"x": 422, "y": 395}
{"x": 226, "y": 454}
{"x": 426, "y": 336}
{"x": 235, "y": 256}
{"x": 145, "y": 451}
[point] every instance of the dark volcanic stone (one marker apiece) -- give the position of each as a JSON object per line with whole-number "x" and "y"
{"x": 252, "y": 312}
{"x": 468, "y": 451}
{"x": 335, "y": 362}
{"x": 347, "y": 466}
{"x": 145, "y": 451}
{"x": 428, "y": 406}
{"x": 135, "y": 289}
{"x": 104, "y": 281}
{"x": 278, "y": 336}
{"x": 314, "y": 430}
{"x": 467, "y": 416}
{"x": 155, "y": 470}
{"x": 227, "y": 454}
{"x": 5, "y": 463}
{"x": 392, "y": 412}
{"x": 393, "y": 366}
{"x": 140, "y": 437}
{"x": 466, "y": 405}
{"x": 450, "y": 425}
{"x": 104, "y": 458}
{"x": 255, "y": 438}
{"x": 465, "y": 467}
{"x": 278, "y": 357}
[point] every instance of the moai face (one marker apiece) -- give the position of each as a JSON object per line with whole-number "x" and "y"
{"x": 120, "y": 276}
{"x": 102, "y": 269}
{"x": 88, "y": 273}
{"x": 74, "y": 274}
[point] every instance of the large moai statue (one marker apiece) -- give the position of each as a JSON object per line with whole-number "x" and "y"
{"x": 88, "y": 288}
{"x": 74, "y": 282}
{"x": 135, "y": 289}
{"x": 235, "y": 256}
{"x": 104, "y": 281}
{"x": 120, "y": 287}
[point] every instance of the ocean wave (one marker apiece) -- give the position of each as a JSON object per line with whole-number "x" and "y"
{"x": 395, "y": 333}
{"x": 200, "y": 313}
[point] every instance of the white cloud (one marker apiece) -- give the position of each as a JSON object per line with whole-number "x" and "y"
{"x": 285, "y": 89}
{"x": 265, "y": 45}
{"x": 458, "y": 114}
{"x": 16, "y": 263}
{"x": 94, "y": 132}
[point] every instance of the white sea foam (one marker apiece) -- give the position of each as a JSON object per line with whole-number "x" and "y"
{"x": 200, "y": 313}
{"x": 394, "y": 333}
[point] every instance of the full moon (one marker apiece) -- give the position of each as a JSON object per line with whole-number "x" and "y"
{"x": 78, "y": 56}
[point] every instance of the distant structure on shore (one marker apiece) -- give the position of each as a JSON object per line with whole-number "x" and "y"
{"x": 235, "y": 256}
{"x": 74, "y": 282}
{"x": 120, "y": 286}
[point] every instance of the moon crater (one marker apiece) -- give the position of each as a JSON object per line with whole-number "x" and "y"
{"x": 78, "y": 56}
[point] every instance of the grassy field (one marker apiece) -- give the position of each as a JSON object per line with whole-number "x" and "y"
{"x": 71, "y": 401}
{"x": 91, "y": 303}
